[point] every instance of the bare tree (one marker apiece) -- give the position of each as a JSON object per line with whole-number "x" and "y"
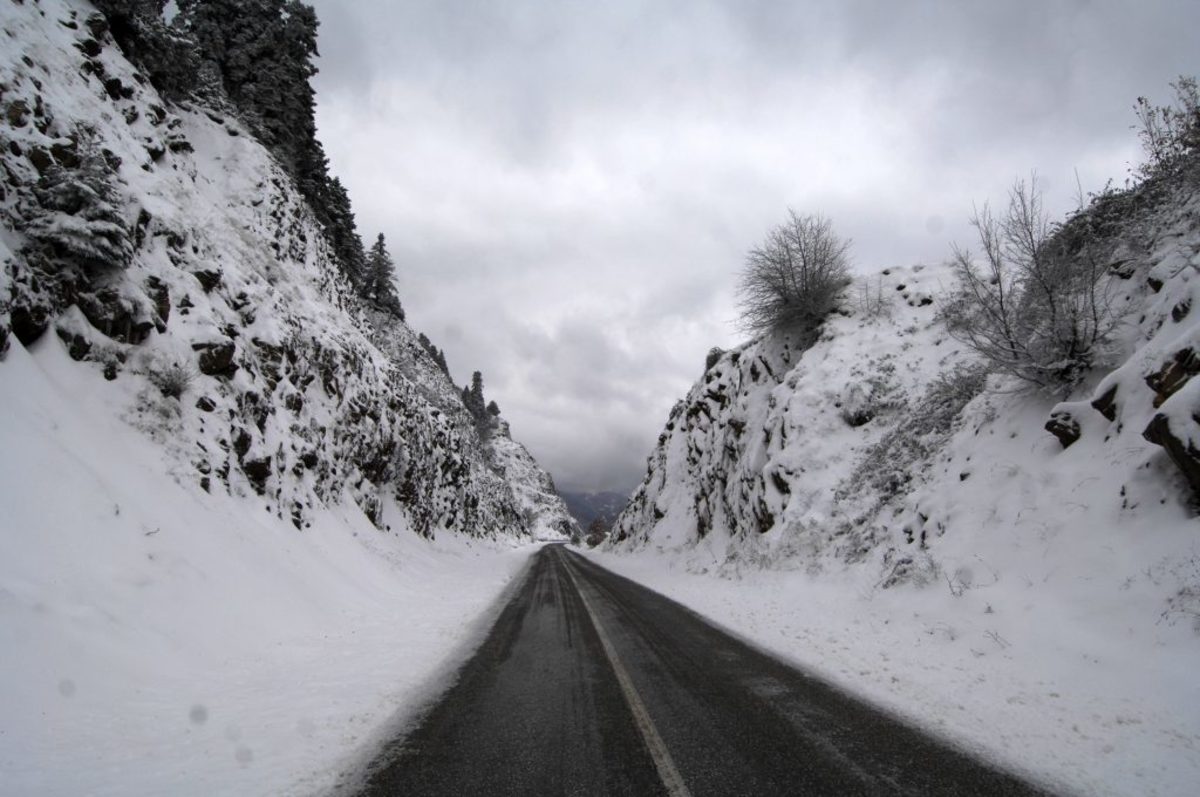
{"x": 795, "y": 278}
{"x": 1038, "y": 306}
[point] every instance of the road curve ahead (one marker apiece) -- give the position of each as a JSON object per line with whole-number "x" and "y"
{"x": 590, "y": 684}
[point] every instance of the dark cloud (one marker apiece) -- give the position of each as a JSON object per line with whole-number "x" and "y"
{"x": 569, "y": 188}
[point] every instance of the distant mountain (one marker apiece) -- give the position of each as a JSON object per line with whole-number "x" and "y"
{"x": 586, "y": 507}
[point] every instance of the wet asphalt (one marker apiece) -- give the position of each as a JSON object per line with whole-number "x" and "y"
{"x": 541, "y": 710}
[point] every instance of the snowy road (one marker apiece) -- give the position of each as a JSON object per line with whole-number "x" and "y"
{"x": 591, "y": 684}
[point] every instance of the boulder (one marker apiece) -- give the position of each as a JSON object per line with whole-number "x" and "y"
{"x": 65, "y": 153}
{"x": 77, "y": 346}
{"x": 216, "y": 358}
{"x": 1064, "y": 426}
{"x": 258, "y": 471}
{"x": 17, "y": 113}
{"x": 208, "y": 279}
{"x": 116, "y": 317}
{"x": 28, "y": 323}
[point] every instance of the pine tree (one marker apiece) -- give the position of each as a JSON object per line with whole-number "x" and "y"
{"x": 483, "y": 413}
{"x": 261, "y": 53}
{"x": 474, "y": 401}
{"x": 378, "y": 285}
{"x": 342, "y": 232}
{"x": 161, "y": 51}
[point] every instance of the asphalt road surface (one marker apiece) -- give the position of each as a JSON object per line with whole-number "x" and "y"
{"x": 590, "y": 684}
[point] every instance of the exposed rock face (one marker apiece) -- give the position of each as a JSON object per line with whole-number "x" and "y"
{"x": 1106, "y": 402}
{"x": 216, "y": 359}
{"x": 1174, "y": 374}
{"x": 728, "y": 470}
{"x": 541, "y": 506}
{"x": 1176, "y": 425}
{"x": 282, "y": 385}
{"x": 1180, "y": 443}
{"x": 880, "y": 439}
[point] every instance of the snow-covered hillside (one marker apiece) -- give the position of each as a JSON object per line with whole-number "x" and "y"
{"x": 881, "y": 478}
{"x": 247, "y": 517}
{"x": 541, "y": 506}
{"x": 230, "y": 298}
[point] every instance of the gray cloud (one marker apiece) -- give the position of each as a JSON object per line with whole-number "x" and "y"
{"x": 569, "y": 188}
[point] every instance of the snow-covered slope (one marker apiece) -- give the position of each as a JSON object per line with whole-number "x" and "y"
{"x": 230, "y": 298}
{"x": 541, "y": 505}
{"x": 220, "y": 472}
{"x": 883, "y": 510}
{"x": 161, "y": 640}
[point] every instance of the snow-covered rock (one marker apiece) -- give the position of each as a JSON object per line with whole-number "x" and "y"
{"x": 541, "y": 505}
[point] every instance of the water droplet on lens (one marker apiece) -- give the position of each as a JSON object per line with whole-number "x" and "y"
{"x": 66, "y": 687}
{"x": 198, "y": 715}
{"x": 244, "y": 755}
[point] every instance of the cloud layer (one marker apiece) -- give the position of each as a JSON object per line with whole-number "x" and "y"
{"x": 569, "y": 188}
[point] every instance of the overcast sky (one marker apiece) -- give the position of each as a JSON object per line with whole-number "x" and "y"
{"x": 569, "y": 188}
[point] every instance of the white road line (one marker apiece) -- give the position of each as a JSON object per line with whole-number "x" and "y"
{"x": 668, "y": 773}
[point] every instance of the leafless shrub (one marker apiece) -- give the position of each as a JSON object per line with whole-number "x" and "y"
{"x": 869, "y": 299}
{"x": 1169, "y": 134}
{"x": 173, "y": 380}
{"x": 1038, "y": 306}
{"x": 795, "y": 278}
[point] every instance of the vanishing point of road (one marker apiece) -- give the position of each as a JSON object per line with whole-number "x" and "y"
{"x": 590, "y": 684}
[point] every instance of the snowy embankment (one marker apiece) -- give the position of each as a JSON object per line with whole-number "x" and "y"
{"x": 161, "y": 640}
{"x": 876, "y": 508}
{"x": 996, "y": 671}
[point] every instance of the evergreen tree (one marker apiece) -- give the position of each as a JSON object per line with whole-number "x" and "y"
{"x": 493, "y": 409}
{"x": 166, "y": 56}
{"x": 377, "y": 284}
{"x": 343, "y": 232}
{"x": 474, "y": 397}
{"x": 263, "y": 51}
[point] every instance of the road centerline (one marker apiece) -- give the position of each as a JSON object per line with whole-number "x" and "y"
{"x": 668, "y": 772}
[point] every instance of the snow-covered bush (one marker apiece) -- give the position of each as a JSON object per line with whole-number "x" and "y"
{"x": 173, "y": 380}
{"x": 795, "y": 278}
{"x": 1169, "y": 134}
{"x": 1038, "y": 307}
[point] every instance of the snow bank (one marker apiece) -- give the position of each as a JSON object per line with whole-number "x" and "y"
{"x": 161, "y": 640}
{"x": 1005, "y": 670}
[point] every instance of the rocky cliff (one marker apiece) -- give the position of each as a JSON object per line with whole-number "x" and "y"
{"x": 886, "y": 442}
{"x": 161, "y": 245}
